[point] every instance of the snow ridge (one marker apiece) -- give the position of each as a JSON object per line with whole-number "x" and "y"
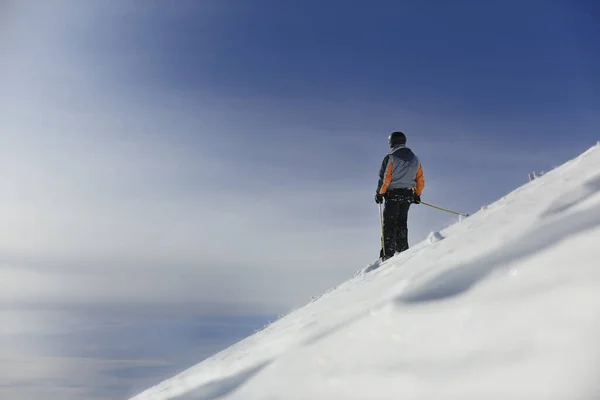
{"x": 504, "y": 304}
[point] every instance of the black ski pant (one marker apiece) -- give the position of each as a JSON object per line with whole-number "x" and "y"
{"x": 395, "y": 224}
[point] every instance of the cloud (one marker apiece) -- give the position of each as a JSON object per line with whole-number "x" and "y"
{"x": 106, "y": 352}
{"x": 56, "y": 378}
{"x": 117, "y": 192}
{"x": 112, "y": 196}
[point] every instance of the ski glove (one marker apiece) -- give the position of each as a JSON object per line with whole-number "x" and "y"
{"x": 378, "y": 198}
{"x": 416, "y": 198}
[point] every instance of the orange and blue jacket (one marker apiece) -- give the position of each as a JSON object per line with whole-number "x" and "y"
{"x": 401, "y": 169}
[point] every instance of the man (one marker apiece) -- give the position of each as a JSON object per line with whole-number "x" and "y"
{"x": 401, "y": 184}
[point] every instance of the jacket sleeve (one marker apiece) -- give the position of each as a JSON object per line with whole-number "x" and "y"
{"x": 420, "y": 180}
{"x": 385, "y": 175}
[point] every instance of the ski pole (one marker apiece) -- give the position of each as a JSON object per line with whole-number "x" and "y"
{"x": 443, "y": 209}
{"x": 381, "y": 223}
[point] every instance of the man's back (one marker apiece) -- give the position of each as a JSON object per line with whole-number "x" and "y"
{"x": 401, "y": 169}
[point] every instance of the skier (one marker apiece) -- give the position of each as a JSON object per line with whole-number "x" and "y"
{"x": 401, "y": 184}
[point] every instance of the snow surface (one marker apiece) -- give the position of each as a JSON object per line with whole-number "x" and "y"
{"x": 506, "y": 306}
{"x": 435, "y": 237}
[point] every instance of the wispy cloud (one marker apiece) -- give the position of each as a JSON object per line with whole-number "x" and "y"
{"x": 122, "y": 192}
{"x": 97, "y": 351}
{"x": 72, "y": 378}
{"x": 103, "y": 188}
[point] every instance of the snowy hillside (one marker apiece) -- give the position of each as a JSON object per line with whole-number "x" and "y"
{"x": 503, "y": 305}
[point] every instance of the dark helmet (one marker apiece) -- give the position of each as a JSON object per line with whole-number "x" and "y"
{"x": 397, "y": 138}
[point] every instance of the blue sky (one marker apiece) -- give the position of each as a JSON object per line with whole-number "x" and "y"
{"x": 218, "y": 159}
{"x": 504, "y": 60}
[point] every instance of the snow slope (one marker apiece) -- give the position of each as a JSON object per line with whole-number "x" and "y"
{"x": 503, "y": 305}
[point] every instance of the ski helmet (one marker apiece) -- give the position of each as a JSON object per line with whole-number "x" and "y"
{"x": 397, "y": 138}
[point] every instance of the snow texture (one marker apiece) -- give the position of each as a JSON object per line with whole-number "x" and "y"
{"x": 434, "y": 237}
{"x": 507, "y": 306}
